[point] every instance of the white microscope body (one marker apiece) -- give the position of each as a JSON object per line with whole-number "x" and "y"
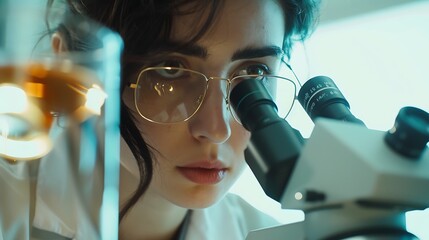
{"x": 350, "y": 183}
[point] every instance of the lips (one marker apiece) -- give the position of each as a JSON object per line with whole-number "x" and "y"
{"x": 206, "y": 172}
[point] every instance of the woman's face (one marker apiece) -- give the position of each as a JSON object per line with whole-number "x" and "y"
{"x": 197, "y": 161}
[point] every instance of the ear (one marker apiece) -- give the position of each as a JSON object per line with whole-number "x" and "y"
{"x": 58, "y": 44}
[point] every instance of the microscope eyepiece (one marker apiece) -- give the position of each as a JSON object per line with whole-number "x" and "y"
{"x": 410, "y": 134}
{"x": 320, "y": 97}
{"x": 253, "y": 105}
{"x": 270, "y": 136}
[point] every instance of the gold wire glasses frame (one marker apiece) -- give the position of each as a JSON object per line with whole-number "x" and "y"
{"x": 168, "y": 95}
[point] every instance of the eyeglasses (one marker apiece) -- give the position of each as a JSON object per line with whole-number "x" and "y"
{"x": 172, "y": 95}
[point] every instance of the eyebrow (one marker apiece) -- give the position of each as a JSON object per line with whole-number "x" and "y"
{"x": 245, "y": 53}
{"x": 185, "y": 49}
{"x": 257, "y": 52}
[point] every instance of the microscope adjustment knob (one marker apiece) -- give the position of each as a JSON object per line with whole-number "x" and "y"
{"x": 410, "y": 134}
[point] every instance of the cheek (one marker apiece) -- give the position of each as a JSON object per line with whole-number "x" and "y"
{"x": 152, "y": 133}
{"x": 239, "y": 138}
{"x": 159, "y": 137}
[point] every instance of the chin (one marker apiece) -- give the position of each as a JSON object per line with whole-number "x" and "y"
{"x": 198, "y": 198}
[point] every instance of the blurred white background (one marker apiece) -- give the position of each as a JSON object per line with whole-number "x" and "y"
{"x": 377, "y": 52}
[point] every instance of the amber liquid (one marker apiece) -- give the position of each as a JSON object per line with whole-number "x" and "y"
{"x": 58, "y": 89}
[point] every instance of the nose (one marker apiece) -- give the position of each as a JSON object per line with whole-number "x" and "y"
{"x": 212, "y": 121}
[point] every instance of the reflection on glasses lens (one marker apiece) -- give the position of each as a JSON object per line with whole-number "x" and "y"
{"x": 169, "y": 95}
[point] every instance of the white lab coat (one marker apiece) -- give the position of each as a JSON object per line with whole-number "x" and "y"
{"x": 59, "y": 196}
{"x": 51, "y": 199}
{"x": 230, "y": 219}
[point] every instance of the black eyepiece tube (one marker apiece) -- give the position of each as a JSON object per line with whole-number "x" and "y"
{"x": 320, "y": 97}
{"x": 253, "y": 105}
{"x": 274, "y": 145}
{"x": 409, "y": 136}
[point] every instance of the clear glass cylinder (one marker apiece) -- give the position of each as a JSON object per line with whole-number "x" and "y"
{"x": 59, "y": 125}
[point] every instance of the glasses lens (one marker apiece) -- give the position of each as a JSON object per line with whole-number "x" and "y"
{"x": 282, "y": 90}
{"x": 169, "y": 95}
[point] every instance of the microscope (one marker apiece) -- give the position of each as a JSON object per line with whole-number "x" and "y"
{"x": 351, "y": 182}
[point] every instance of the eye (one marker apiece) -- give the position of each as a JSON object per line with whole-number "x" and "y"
{"x": 170, "y": 69}
{"x": 170, "y": 73}
{"x": 255, "y": 69}
{"x": 170, "y": 63}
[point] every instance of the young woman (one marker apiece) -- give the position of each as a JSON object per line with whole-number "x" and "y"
{"x": 181, "y": 147}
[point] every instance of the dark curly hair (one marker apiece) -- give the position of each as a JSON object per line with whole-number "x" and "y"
{"x": 144, "y": 25}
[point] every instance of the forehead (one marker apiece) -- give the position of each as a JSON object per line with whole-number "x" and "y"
{"x": 238, "y": 24}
